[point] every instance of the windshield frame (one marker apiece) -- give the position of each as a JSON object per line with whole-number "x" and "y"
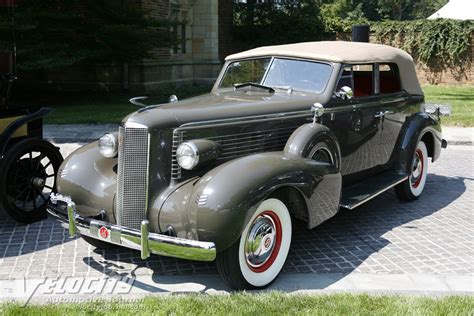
{"x": 272, "y": 59}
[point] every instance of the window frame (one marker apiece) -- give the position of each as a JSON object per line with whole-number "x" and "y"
{"x": 374, "y": 79}
{"x": 272, "y": 59}
{"x": 397, "y": 73}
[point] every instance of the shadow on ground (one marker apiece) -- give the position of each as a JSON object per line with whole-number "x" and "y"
{"x": 337, "y": 247}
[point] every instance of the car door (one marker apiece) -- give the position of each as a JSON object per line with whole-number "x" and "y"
{"x": 356, "y": 121}
{"x": 394, "y": 102}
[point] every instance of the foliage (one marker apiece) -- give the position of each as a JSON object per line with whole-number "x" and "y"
{"x": 340, "y": 15}
{"x": 375, "y": 10}
{"x": 56, "y": 33}
{"x": 438, "y": 44}
{"x": 259, "y": 303}
{"x": 408, "y": 9}
{"x": 268, "y": 23}
{"x": 99, "y": 108}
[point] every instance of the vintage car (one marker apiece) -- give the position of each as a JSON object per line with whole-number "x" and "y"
{"x": 288, "y": 132}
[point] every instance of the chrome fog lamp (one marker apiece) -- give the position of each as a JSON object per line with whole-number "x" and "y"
{"x": 187, "y": 155}
{"x": 108, "y": 145}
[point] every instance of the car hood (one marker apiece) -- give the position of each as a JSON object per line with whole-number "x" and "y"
{"x": 220, "y": 105}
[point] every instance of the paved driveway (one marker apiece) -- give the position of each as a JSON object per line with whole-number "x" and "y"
{"x": 433, "y": 235}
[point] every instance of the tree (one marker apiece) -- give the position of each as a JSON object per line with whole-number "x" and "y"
{"x": 269, "y": 23}
{"x": 408, "y": 9}
{"x": 377, "y": 10}
{"x": 56, "y": 33}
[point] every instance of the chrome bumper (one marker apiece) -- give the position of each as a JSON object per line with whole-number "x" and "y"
{"x": 141, "y": 240}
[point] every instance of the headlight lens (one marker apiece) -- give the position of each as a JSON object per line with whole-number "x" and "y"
{"x": 187, "y": 155}
{"x": 108, "y": 145}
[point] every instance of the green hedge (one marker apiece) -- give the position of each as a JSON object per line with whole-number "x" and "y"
{"x": 438, "y": 44}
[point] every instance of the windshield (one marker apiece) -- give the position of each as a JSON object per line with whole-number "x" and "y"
{"x": 278, "y": 73}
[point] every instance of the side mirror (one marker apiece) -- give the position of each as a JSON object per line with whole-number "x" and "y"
{"x": 173, "y": 98}
{"x": 345, "y": 93}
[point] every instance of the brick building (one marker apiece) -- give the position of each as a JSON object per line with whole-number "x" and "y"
{"x": 203, "y": 30}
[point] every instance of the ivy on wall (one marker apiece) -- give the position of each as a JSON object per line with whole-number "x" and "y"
{"x": 439, "y": 44}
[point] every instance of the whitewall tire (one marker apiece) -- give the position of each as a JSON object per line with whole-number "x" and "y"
{"x": 257, "y": 258}
{"x": 412, "y": 188}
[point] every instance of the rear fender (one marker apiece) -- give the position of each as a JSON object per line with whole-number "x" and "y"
{"x": 419, "y": 126}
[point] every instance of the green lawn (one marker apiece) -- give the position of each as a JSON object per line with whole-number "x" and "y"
{"x": 461, "y": 100}
{"x": 260, "y": 304}
{"x": 97, "y": 108}
{"x": 111, "y": 108}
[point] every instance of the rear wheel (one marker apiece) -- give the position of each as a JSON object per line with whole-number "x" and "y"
{"x": 255, "y": 260}
{"x": 27, "y": 178}
{"x": 412, "y": 188}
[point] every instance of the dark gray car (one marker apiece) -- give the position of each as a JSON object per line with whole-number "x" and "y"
{"x": 291, "y": 131}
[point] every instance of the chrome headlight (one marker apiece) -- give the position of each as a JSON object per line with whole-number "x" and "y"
{"x": 108, "y": 145}
{"x": 196, "y": 152}
{"x": 187, "y": 155}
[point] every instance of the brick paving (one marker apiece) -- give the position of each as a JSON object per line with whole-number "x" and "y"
{"x": 432, "y": 235}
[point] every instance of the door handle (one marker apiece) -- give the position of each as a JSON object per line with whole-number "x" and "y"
{"x": 382, "y": 113}
{"x": 379, "y": 114}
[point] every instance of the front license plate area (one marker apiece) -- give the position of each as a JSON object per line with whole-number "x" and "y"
{"x": 104, "y": 231}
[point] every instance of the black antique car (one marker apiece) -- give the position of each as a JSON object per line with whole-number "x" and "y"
{"x": 28, "y": 164}
{"x": 293, "y": 131}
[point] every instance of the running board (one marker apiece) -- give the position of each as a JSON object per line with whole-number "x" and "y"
{"x": 364, "y": 191}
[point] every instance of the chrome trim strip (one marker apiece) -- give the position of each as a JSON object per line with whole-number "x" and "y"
{"x": 245, "y": 119}
{"x": 142, "y": 239}
{"x": 370, "y": 197}
{"x": 145, "y": 247}
{"x": 133, "y": 125}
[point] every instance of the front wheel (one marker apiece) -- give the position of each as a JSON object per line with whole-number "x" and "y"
{"x": 257, "y": 257}
{"x": 27, "y": 179}
{"x": 412, "y": 188}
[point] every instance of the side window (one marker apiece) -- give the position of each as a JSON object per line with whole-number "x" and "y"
{"x": 363, "y": 80}
{"x": 360, "y": 78}
{"x": 345, "y": 79}
{"x": 389, "y": 79}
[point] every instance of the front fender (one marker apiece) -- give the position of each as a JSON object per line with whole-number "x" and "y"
{"x": 221, "y": 202}
{"x": 16, "y": 125}
{"x": 90, "y": 180}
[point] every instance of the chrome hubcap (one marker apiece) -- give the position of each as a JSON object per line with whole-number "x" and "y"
{"x": 260, "y": 241}
{"x": 417, "y": 169}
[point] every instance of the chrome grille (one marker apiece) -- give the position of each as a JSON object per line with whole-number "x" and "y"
{"x": 132, "y": 185}
{"x": 236, "y": 145}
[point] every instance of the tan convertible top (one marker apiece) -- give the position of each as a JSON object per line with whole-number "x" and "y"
{"x": 344, "y": 52}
